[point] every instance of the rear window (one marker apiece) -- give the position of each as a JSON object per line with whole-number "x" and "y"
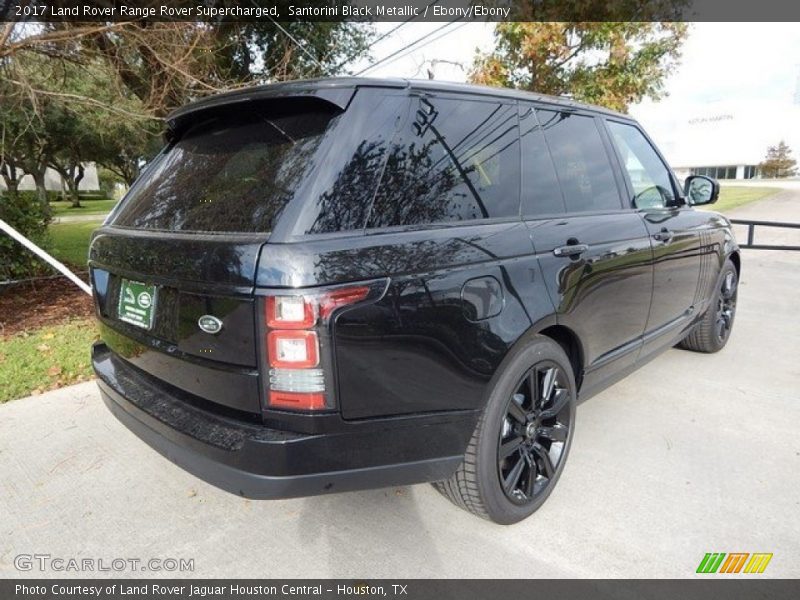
{"x": 232, "y": 173}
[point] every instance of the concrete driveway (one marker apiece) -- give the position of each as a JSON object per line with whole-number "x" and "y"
{"x": 692, "y": 454}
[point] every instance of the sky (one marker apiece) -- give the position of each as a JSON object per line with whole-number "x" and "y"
{"x": 736, "y": 82}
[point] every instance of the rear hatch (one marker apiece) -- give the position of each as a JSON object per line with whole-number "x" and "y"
{"x": 174, "y": 266}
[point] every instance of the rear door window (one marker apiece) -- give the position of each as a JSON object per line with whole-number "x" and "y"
{"x": 231, "y": 173}
{"x": 454, "y": 160}
{"x": 541, "y": 194}
{"x": 582, "y": 163}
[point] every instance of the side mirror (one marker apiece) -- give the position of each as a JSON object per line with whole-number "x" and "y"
{"x": 700, "y": 189}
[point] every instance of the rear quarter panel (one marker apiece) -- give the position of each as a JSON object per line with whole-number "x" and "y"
{"x": 426, "y": 345}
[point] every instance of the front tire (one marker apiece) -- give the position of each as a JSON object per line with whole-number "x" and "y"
{"x": 521, "y": 442}
{"x": 714, "y": 329}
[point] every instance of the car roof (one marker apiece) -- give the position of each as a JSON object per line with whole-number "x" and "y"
{"x": 339, "y": 90}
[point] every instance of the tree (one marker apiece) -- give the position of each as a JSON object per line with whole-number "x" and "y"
{"x": 613, "y": 64}
{"x": 779, "y": 162}
{"x": 166, "y": 64}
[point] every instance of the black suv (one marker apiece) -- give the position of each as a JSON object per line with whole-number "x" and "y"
{"x": 341, "y": 284}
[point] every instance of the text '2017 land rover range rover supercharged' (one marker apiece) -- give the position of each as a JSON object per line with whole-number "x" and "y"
{"x": 342, "y": 284}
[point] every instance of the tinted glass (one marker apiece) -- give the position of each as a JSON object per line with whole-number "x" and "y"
{"x": 345, "y": 183}
{"x": 583, "y": 167}
{"x": 234, "y": 173}
{"x": 652, "y": 184}
{"x": 541, "y": 194}
{"x": 454, "y": 160}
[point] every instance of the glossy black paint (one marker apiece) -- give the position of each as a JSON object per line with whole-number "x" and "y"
{"x": 413, "y": 367}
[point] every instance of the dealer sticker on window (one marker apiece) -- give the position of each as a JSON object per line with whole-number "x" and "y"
{"x": 136, "y": 303}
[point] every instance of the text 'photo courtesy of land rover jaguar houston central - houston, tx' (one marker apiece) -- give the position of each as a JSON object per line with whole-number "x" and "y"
{"x": 341, "y": 284}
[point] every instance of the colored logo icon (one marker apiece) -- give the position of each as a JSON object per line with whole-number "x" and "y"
{"x": 734, "y": 562}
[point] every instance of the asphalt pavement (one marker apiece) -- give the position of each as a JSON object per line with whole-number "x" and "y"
{"x": 691, "y": 454}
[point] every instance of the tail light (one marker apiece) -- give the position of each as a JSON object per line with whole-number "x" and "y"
{"x": 298, "y": 344}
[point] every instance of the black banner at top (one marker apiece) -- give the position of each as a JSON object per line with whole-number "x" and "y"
{"x": 398, "y": 10}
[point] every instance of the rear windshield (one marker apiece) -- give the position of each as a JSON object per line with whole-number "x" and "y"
{"x": 233, "y": 173}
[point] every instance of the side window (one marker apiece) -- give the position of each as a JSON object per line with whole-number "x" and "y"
{"x": 346, "y": 178}
{"x": 584, "y": 169}
{"x": 455, "y": 160}
{"x": 541, "y": 194}
{"x": 652, "y": 184}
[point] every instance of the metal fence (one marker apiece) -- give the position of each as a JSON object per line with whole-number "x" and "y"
{"x": 751, "y": 227}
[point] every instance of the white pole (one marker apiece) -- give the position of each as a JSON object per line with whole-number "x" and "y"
{"x": 45, "y": 256}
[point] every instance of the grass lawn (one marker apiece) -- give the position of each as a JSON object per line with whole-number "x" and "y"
{"x": 731, "y": 197}
{"x": 47, "y": 358}
{"x": 88, "y": 207}
{"x": 70, "y": 241}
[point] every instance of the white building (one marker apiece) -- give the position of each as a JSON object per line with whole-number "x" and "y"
{"x": 727, "y": 140}
{"x": 53, "y": 181}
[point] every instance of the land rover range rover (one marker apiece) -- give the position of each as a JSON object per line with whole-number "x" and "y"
{"x": 341, "y": 284}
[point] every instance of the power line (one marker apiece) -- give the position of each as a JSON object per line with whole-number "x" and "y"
{"x": 404, "y": 48}
{"x": 446, "y": 33}
{"x": 299, "y": 45}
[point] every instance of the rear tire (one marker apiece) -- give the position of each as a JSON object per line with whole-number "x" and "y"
{"x": 714, "y": 329}
{"x": 521, "y": 442}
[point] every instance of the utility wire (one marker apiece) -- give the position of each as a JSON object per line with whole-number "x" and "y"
{"x": 404, "y": 48}
{"x": 299, "y": 45}
{"x": 446, "y": 33}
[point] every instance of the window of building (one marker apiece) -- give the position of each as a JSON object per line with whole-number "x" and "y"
{"x": 456, "y": 160}
{"x": 726, "y": 172}
{"x": 582, "y": 164}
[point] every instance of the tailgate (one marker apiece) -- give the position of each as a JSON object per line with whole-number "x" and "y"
{"x": 195, "y": 327}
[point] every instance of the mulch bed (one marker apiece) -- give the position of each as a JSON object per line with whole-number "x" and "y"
{"x": 29, "y": 306}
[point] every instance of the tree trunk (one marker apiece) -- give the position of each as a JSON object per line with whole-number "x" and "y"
{"x": 41, "y": 189}
{"x": 77, "y": 175}
{"x": 11, "y": 177}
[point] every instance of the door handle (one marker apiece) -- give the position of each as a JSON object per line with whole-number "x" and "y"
{"x": 571, "y": 250}
{"x": 665, "y": 235}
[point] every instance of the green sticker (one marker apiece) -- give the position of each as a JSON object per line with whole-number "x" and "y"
{"x": 136, "y": 303}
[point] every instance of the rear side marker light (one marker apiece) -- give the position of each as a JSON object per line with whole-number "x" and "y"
{"x": 290, "y": 312}
{"x": 293, "y": 349}
{"x": 333, "y": 300}
{"x": 296, "y": 401}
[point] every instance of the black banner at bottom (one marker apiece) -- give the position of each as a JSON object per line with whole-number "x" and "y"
{"x": 406, "y": 589}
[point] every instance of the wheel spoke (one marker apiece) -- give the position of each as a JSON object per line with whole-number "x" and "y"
{"x": 720, "y": 327}
{"x": 509, "y": 447}
{"x": 554, "y": 434}
{"x": 544, "y": 464}
{"x": 531, "y": 482}
{"x": 729, "y": 287}
{"x": 517, "y": 412}
{"x": 534, "y": 393}
{"x": 560, "y": 399}
{"x": 548, "y": 384}
{"x": 512, "y": 479}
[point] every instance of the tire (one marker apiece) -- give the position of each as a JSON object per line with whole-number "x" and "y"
{"x": 534, "y": 431}
{"x": 714, "y": 329}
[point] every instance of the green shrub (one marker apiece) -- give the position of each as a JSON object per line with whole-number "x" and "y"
{"x": 30, "y": 218}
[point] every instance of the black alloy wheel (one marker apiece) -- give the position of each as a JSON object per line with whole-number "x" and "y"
{"x": 534, "y": 433}
{"x": 726, "y": 306}
{"x": 522, "y": 439}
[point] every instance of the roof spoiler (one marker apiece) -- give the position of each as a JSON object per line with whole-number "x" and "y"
{"x": 180, "y": 119}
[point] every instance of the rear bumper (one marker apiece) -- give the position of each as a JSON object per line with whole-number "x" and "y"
{"x": 251, "y": 460}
